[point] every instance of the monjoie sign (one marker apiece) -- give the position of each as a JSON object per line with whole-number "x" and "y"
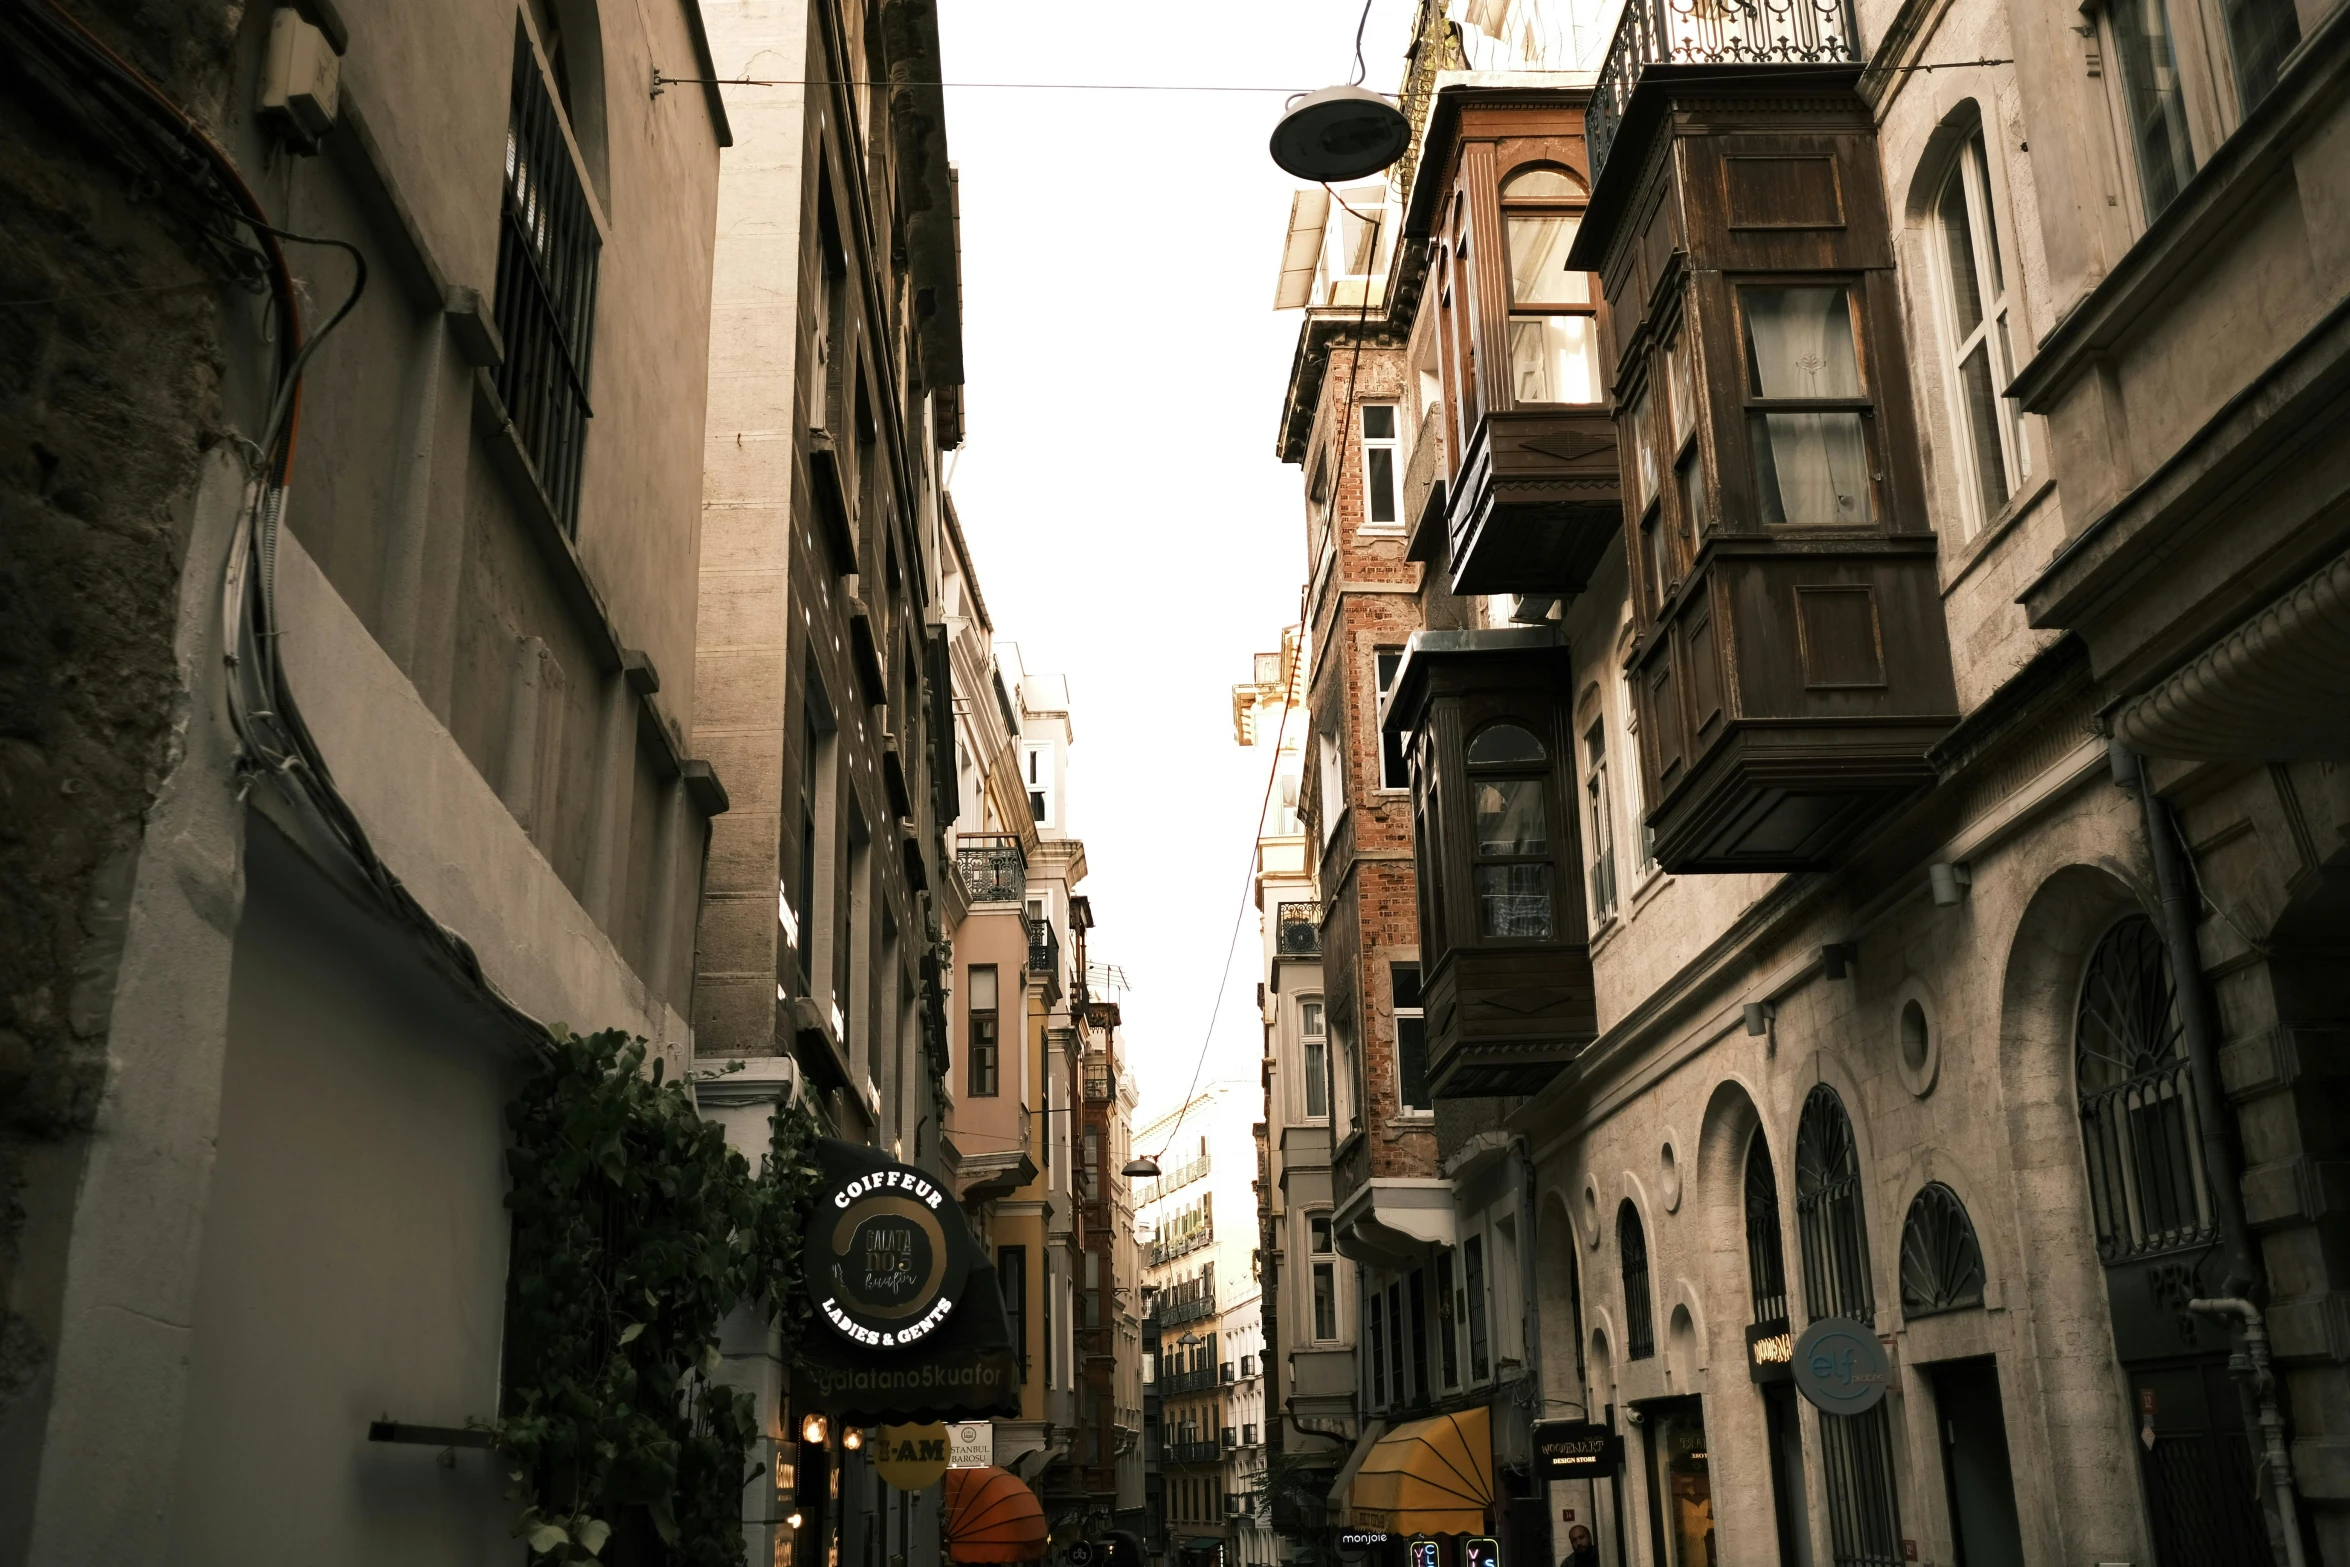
{"x": 894, "y": 1262}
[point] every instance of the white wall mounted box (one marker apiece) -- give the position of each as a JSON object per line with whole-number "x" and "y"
{"x": 301, "y": 78}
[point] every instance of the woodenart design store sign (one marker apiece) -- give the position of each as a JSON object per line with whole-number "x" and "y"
{"x": 918, "y": 1326}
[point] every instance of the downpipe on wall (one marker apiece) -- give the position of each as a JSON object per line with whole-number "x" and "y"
{"x": 2247, "y": 1366}
{"x": 2251, "y": 1363}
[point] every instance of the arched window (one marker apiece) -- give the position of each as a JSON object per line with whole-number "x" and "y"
{"x": 1639, "y": 1318}
{"x": 1511, "y": 871}
{"x": 1553, "y": 341}
{"x": 1978, "y": 350}
{"x": 1941, "y": 1261}
{"x": 1828, "y": 1211}
{"x": 1766, "y": 1258}
{"x": 2138, "y": 1121}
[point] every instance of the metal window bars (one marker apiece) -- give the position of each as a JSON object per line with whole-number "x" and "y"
{"x": 1836, "y": 1280}
{"x": 1941, "y": 1261}
{"x": 2139, "y": 1125}
{"x": 1766, "y": 1257}
{"x": 1711, "y": 32}
{"x": 1639, "y": 1314}
{"x": 548, "y": 251}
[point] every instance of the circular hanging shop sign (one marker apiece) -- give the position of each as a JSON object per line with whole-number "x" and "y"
{"x": 1840, "y": 1366}
{"x": 895, "y": 1257}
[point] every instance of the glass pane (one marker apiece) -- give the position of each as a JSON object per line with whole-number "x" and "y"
{"x": 1553, "y": 359}
{"x": 1684, "y": 1487}
{"x": 1317, "y": 1078}
{"x": 1411, "y": 1073}
{"x": 1403, "y": 980}
{"x": 1379, "y": 422}
{"x": 1645, "y": 471}
{"x": 1510, "y": 816}
{"x": 1513, "y": 900}
{"x": 1691, "y": 484}
{"x": 1379, "y": 461}
{"x": 1982, "y": 417}
{"x": 1541, "y": 183}
{"x": 1980, "y": 162}
{"x": 1505, "y": 743}
{"x": 2260, "y": 34}
{"x": 1958, "y": 239}
{"x": 2153, "y": 99}
{"x": 1811, "y": 469}
{"x": 1538, "y": 263}
{"x": 1652, "y": 548}
{"x": 1683, "y": 395}
{"x": 1799, "y": 342}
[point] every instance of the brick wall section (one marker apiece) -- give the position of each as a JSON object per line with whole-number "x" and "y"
{"x": 1366, "y": 873}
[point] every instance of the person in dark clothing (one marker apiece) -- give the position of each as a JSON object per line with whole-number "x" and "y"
{"x": 1582, "y": 1550}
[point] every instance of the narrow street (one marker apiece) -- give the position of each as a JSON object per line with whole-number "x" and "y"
{"x": 1369, "y": 783}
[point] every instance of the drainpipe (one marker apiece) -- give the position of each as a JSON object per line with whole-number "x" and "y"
{"x": 2251, "y": 1363}
{"x": 2196, "y": 1014}
{"x": 2255, "y": 1386}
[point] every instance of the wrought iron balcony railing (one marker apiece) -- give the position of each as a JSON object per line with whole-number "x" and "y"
{"x": 1173, "y": 1382}
{"x": 1711, "y": 32}
{"x": 1101, "y": 1084}
{"x": 1168, "y": 1248}
{"x": 1044, "y": 949}
{"x": 992, "y": 867}
{"x": 1297, "y": 930}
{"x": 1195, "y": 1452}
{"x": 1192, "y": 1307}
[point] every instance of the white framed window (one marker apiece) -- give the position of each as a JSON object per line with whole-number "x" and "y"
{"x": 1314, "y": 1039}
{"x": 1382, "y": 479}
{"x": 1394, "y": 764}
{"x": 1411, "y": 1041}
{"x": 1601, "y": 809}
{"x": 1040, "y": 784}
{"x": 1332, "y": 765}
{"x": 1978, "y": 346}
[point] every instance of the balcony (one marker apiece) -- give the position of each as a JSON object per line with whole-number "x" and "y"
{"x": 1297, "y": 930}
{"x": 1044, "y": 950}
{"x": 1739, "y": 34}
{"x": 992, "y": 866}
{"x": 1173, "y": 1180}
{"x": 1101, "y": 1083}
{"x": 1172, "y": 1383}
{"x": 1195, "y": 1454}
{"x": 1504, "y": 941}
{"x": 1537, "y": 502}
{"x": 1192, "y": 1302}
{"x": 1173, "y": 1246}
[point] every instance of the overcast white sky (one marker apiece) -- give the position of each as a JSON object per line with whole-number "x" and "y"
{"x": 1132, "y": 526}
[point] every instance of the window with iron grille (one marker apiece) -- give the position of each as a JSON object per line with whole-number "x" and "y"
{"x": 1766, "y": 1258}
{"x": 1639, "y": 1316}
{"x": 1941, "y": 1261}
{"x": 2139, "y": 1125}
{"x": 548, "y": 250}
{"x": 1828, "y": 1211}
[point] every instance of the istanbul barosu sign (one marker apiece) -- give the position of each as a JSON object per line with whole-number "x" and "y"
{"x": 1840, "y": 1366}
{"x": 894, "y": 1268}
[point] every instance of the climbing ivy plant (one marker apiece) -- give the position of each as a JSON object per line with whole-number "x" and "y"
{"x": 636, "y": 1230}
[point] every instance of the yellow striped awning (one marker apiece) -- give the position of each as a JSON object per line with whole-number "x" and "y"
{"x": 1428, "y": 1477}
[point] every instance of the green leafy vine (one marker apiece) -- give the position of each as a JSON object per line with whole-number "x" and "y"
{"x": 636, "y": 1231}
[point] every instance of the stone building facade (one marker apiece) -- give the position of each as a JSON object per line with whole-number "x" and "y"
{"x": 1959, "y": 970}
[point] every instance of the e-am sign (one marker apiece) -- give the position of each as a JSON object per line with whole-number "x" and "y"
{"x": 1840, "y": 1366}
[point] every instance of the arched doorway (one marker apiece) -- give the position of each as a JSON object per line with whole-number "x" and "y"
{"x": 2158, "y": 1238}
{"x": 1769, "y": 1341}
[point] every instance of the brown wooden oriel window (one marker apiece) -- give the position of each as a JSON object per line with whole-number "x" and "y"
{"x": 1553, "y": 326}
{"x": 1808, "y": 408}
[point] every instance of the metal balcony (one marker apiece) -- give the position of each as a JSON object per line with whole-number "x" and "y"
{"x": 1297, "y": 930}
{"x": 992, "y": 867}
{"x": 1173, "y": 1382}
{"x": 1101, "y": 1084}
{"x": 1195, "y": 1452}
{"x": 1710, "y": 32}
{"x": 1044, "y": 949}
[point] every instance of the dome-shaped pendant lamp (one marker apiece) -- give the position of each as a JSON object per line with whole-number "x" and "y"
{"x": 1338, "y": 134}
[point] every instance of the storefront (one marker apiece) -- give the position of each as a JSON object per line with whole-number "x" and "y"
{"x": 1426, "y": 1477}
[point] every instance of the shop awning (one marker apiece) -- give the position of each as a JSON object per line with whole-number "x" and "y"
{"x": 992, "y": 1517}
{"x": 1428, "y": 1477}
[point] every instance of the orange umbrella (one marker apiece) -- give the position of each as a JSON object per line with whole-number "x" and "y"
{"x": 992, "y": 1517}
